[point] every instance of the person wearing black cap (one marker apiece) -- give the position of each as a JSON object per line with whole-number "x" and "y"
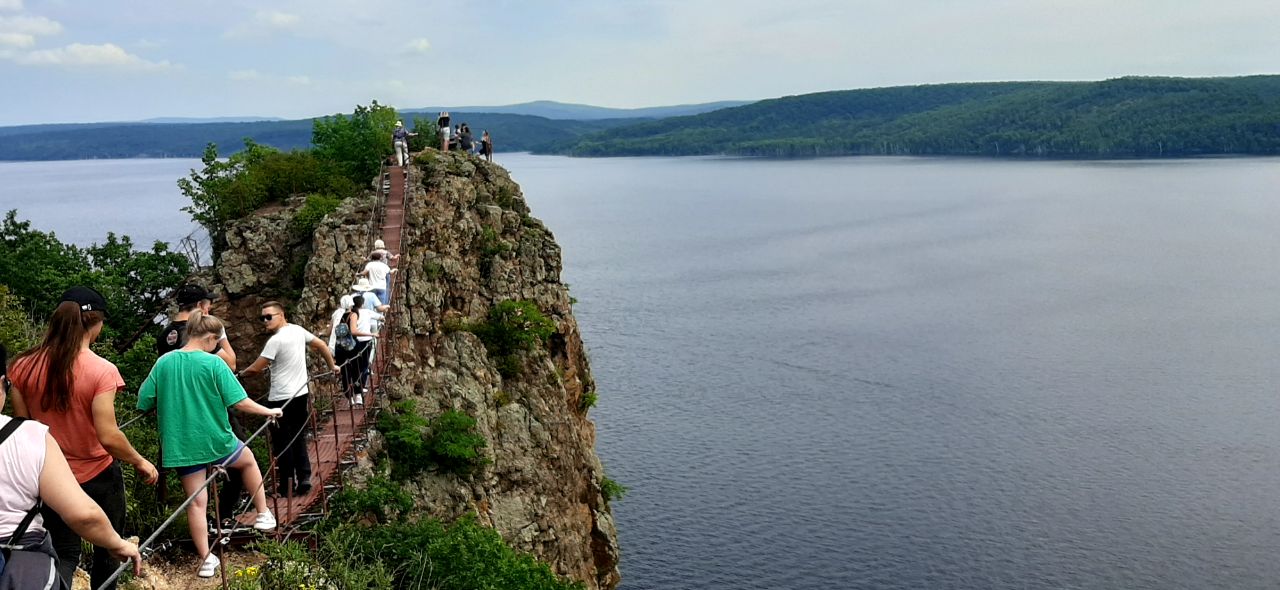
{"x": 65, "y": 385}
{"x": 190, "y": 298}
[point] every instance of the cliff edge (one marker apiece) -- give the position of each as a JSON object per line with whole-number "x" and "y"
{"x": 469, "y": 243}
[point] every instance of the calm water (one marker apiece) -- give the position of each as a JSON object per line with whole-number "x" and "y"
{"x": 909, "y": 373}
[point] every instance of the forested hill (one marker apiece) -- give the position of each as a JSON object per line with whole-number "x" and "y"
{"x": 155, "y": 140}
{"x": 1124, "y": 117}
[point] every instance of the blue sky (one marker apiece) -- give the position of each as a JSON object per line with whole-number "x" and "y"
{"x": 101, "y": 60}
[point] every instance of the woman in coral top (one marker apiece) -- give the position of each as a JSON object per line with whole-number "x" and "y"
{"x": 72, "y": 390}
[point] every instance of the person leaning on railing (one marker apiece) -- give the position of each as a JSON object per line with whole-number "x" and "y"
{"x": 64, "y": 384}
{"x": 34, "y": 470}
{"x": 191, "y": 390}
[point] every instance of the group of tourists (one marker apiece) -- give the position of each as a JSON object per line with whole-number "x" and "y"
{"x": 459, "y": 137}
{"x": 64, "y": 426}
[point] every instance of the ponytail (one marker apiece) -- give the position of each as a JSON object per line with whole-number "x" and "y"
{"x": 56, "y": 355}
{"x": 200, "y": 325}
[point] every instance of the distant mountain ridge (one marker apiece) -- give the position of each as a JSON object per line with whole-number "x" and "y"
{"x": 1122, "y": 117}
{"x": 582, "y": 112}
{"x": 182, "y": 137}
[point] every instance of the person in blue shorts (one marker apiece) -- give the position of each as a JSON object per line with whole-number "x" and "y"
{"x": 191, "y": 389}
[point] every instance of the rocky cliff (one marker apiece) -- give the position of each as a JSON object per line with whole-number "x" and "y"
{"x": 469, "y": 243}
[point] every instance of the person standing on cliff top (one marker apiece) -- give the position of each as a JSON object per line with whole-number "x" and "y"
{"x": 400, "y": 142}
{"x": 443, "y": 124}
{"x": 286, "y": 354}
{"x": 486, "y": 146}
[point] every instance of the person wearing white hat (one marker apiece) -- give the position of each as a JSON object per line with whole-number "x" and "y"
{"x": 400, "y": 143}
{"x": 371, "y": 301}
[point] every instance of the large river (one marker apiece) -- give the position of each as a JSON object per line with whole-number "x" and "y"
{"x": 896, "y": 373}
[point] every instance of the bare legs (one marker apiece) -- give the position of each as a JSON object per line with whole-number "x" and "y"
{"x": 198, "y": 510}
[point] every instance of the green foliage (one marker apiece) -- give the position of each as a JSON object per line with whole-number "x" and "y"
{"x": 227, "y": 190}
{"x": 446, "y": 443}
{"x": 308, "y": 218}
{"x": 588, "y": 400}
{"x": 38, "y": 268}
{"x": 513, "y": 326}
{"x": 506, "y": 197}
{"x": 382, "y": 501}
{"x": 433, "y": 270}
{"x": 429, "y": 555}
{"x": 358, "y": 144}
{"x": 453, "y": 444}
{"x": 428, "y": 136}
{"x": 17, "y": 331}
{"x": 1125, "y": 117}
{"x": 611, "y": 490}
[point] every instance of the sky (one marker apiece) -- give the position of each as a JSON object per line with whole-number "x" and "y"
{"x": 117, "y": 60}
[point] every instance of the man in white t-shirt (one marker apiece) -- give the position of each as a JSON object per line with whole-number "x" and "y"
{"x": 286, "y": 354}
{"x": 378, "y": 273}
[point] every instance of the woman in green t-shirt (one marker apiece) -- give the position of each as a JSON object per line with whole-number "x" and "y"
{"x": 191, "y": 390}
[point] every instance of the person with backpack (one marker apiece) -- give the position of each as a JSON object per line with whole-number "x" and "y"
{"x": 64, "y": 384}
{"x": 34, "y": 474}
{"x": 348, "y": 333}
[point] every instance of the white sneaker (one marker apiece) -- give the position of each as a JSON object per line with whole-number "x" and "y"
{"x": 265, "y": 521}
{"x": 357, "y": 401}
{"x": 210, "y": 566}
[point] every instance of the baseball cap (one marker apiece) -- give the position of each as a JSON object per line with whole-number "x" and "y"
{"x": 192, "y": 293}
{"x": 88, "y": 299}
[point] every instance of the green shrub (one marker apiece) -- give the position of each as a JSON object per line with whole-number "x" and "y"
{"x": 429, "y": 555}
{"x": 432, "y": 270}
{"x": 588, "y": 400}
{"x": 612, "y": 490}
{"x": 358, "y": 144}
{"x": 308, "y": 218}
{"x": 511, "y": 327}
{"x": 381, "y": 499}
{"x": 491, "y": 244}
{"x": 506, "y": 197}
{"x": 414, "y": 444}
{"x": 453, "y": 444}
{"x": 514, "y": 326}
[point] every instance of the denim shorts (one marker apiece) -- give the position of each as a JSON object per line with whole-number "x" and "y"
{"x": 229, "y": 459}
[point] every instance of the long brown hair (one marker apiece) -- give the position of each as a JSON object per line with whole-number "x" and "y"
{"x": 57, "y": 355}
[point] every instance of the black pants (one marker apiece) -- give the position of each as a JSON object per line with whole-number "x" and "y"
{"x": 289, "y": 445}
{"x": 107, "y": 489}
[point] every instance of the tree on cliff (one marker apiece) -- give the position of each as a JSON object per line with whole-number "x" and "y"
{"x": 357, "y": 144}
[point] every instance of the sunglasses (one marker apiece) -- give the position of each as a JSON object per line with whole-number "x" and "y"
{"x": 266, "y": 317}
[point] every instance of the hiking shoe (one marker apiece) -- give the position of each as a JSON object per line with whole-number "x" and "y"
{"x": 265, "y": 521}
{"x": 357, "y": 401}
{"x": 210, "y": 566}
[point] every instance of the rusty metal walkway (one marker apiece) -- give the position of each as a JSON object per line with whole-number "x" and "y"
{"x": 338, "y": 432}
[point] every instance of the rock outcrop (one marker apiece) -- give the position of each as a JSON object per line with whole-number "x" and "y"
{"x": 469, "y": 243}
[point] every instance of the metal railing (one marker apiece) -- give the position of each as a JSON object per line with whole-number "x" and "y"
{"x": 325, "y": 386}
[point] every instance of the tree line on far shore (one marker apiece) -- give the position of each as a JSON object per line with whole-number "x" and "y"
{"x": 1123, "y": 117}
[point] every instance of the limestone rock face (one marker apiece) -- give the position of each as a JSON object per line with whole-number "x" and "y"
{"x": 469, "y": 243}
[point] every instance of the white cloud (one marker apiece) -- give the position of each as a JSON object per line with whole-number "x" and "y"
{"x": 17, "y": 39}
{"x": 264, "y": 23}
{"x": 302, "y": 80}
{"x": 30, "y": 25}
{"x": 10, "y": 4}
{"x": 245, "y": 75}
{"x": 81, "y": 55}
{"x": 256, "y": 76}
{"x": 419, "y": 45}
